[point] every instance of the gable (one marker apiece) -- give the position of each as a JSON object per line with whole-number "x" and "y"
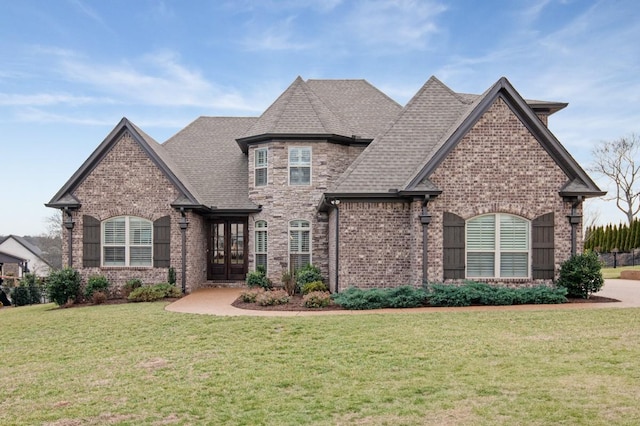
{"x": 125, "y": 179}
{"x": 66, "y": 198}
{"x": 499, "y": 159}
{"x": 391, "y": 159}
{"x": 576, "y": 176}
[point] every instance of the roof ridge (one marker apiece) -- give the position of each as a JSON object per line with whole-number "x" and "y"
{"x": 408, "y": 108}
{"x": 330, "y": 108}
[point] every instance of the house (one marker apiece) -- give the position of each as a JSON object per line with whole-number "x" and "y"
{"x": 18, "y": 256}
{"x": 451, "y": 186}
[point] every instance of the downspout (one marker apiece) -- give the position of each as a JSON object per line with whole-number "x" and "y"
{"x": 183, "y": 230}
{"x": 574, "y": 220}
{"x": 68, "y": 224}
{"x": 425, "y": 219}
{"x": 335, "y": 204}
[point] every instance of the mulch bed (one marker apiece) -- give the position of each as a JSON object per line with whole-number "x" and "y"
{"x": 296, "y": 304}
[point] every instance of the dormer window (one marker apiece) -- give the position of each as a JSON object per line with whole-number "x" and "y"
{"x": 300, "y": 166}
{"x": 260, "y": 169}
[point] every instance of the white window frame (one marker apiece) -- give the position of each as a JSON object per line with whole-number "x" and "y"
{"x": 300, "y": 164}
{"x": 498, "y": 251}
{"x": 128, "y": 244}
{"x": 259, "y": 165}
{"x": 298, "y": 225}
{"x": 261, "y": 226}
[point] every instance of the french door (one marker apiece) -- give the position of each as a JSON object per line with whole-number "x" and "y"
{"x": 227, "y": 249}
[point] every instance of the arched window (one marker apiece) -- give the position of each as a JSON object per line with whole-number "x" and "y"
{"x": 498, "y": 246}
{"x": 299, "y": 244}
{"x": 127, "y": 241}
{"x": 261, "y": 244}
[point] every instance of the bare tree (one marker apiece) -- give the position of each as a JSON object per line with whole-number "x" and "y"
{"x": 50, "y": 242}
{"x": 619, "y": 161}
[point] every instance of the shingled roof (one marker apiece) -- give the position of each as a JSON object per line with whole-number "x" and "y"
{"x": 390, "y": 160}
{"x": 351, "y": 109}
{"x": 207, "y": 154}
{"x": 431, "y": 124}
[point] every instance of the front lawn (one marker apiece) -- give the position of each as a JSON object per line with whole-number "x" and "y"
{"x": 136, "y": 364}
{"x": 614, "y": 273}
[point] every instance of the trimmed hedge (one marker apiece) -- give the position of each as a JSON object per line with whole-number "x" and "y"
{"x": 378, "y": 298}
{"x": 473, "y": 293}
{"x": 470, "y": 293}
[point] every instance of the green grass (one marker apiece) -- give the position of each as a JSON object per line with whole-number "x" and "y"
{"x": 614, "y": 273}
{"x": 136, "y": 364}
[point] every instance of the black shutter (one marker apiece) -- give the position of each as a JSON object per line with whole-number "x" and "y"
{"x": 90, "y": 242}
{"x": 162, "y": 242}
{"x": 542, "y": 246}
{"x": 453, "y": 246}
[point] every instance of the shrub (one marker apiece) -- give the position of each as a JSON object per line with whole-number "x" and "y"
{"x": 249, "y": 296}
{"x": 98, "y": 297}
{"x": 171, "y": 275}
{"x": 96, "y": 283}
{"x": 63, "y": 286}
{"x": 272, "y": 297}
{"x": 474, "y": 293}
{"x": 288, "y": 282}
{"x": 405, "y": 297}
{"x": 28, "y": 291}
{"x": 541, "y": 295}
{"x": 146, "y": 293}
{"x": 398, "y": 297}
{"x": 169, "y": 290}
{"x": 317, "y": 299}
{"x": 307, "y": 274}
{"x": 581, "y": 275}
{"x": 258, "y": 278}
{"x": 131, "y": 285}
{"x": 154, "y": 292}
{"x": 313, "y": 286}
{"x": 20, "y": 296}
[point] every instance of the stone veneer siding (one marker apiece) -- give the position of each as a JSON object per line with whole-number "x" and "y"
{"x": 282, "y": 202}
{"x": 127, "y": 182}
{"x": 499, "y": 167}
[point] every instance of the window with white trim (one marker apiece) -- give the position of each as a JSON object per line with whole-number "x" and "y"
{"x": 127, "y": 241}
{"x": 299, "y": 244}
{"x": 300, "y": 166}
{"x": 261, "y": 163}
{"x": 261, "y": 244}
{"x": 498, "y": 246}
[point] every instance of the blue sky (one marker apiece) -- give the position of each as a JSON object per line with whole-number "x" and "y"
{"x": 71, "y": 69}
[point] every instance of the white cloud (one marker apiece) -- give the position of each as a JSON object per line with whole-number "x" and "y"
{"x": 155, "y": 79}
{"x": 43, "y": 99}
{"x": 36, "y": 115}
{"x": 278, "y": 36}
{"x": 403, "y": 24}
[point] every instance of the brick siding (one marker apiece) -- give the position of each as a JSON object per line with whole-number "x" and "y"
{"x": 127, "y": 182}
{"x": 498, "y": 166}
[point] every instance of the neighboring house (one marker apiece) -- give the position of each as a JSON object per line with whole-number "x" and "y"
{"x": 29, "y": 257}
{"x": 335, "y": 173}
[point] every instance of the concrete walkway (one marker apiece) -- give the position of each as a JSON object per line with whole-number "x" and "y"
{"x": 217, "y": 301}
